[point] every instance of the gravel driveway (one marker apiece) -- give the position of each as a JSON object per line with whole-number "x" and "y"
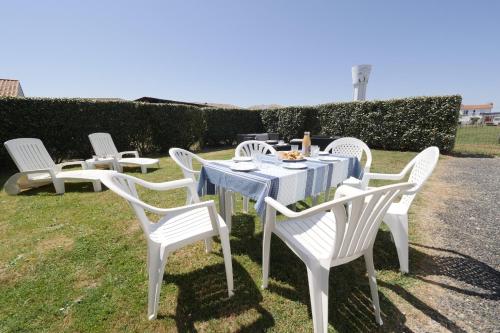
{"x": 462, "y": 258}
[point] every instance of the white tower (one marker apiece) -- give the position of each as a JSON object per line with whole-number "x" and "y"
{"x": 360, "y": 75}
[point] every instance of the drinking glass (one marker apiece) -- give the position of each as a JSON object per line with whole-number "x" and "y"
{"x": 257, "y": 159}
{"x": 295, "y": 147}
{"x": 281, "y": 142}
{"x": 314, "y": 151}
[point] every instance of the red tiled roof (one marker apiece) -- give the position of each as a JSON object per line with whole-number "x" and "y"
{"x": 476, "y": 106}
{"x": 9, "y": 87}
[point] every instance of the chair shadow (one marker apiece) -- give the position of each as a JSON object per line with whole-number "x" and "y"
{"x": 48, "y": 189}
{"x": 203, "y": 296}
{"x": 350, "y": 306}
{"x": 457, "y": 266}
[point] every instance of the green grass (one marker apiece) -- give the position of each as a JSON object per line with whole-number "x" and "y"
{"x": 76, "y": 263}
{"x": 480, "y": 140}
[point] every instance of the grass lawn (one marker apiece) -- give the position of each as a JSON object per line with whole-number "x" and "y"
{"x": 77, "y": 263}
{"x": 478, "y": 140}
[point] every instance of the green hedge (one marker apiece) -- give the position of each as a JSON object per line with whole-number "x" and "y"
{"x": 64, "y": 125}
{"x": 222, "y": 125}
{"x": 399, "y": 124}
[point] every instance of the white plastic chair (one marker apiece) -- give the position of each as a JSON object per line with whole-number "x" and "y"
{"x": 420, "y": 169}
{"x": 176, "y": 228}
{"x": 351, "y": 147}
{"x": 103, "y": 146}
{"x": 37, "y": 168}
{"x": 250, "y": 148}
{"x": 329, "y": 235}
{"x": 184, "y": 159}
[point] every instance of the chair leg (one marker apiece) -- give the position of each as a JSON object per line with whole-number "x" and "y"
{"x": 208, "y": 245}
{"x": 266, "y": 253}
{"x": 226, "y": 250}
{"x": 233, "y": 202}
{"x": 144, "y": 169}
{"x": 59, "y": 186}
{"x": 314, "y": 200}
{"x": 373, "y": 284}
{"x": 156, "y": 268}
{"x": 97, "y": 186}
{"x": 318, "y": 290}
{"x": 246, "y": 201}
{"x": 398, "y": 225}
{"x": 327, "y": 194}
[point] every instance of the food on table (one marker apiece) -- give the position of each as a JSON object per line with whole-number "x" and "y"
{"x": 291, "y": 155}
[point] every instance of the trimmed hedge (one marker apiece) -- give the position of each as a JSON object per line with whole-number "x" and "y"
{"x": 64, "y": 125}
{"x": 222, "y": 125}
{"x": 399, "y": 124}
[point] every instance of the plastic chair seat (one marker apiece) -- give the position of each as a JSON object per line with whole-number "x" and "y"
{"x": 312, "y": 236}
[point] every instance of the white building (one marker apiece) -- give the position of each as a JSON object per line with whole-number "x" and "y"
{"x": 476, "y": 114}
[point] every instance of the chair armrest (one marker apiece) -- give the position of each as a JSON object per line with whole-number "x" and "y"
{"x": 281, "y": 208}
{"x": 346, "y": 191}
{"x": 52, "y": 172}
{"x": 384, "y": 176}
{"x": 165, "y": 186}
{"x": 129, "y": 152}
{"x": 65, "y": 164}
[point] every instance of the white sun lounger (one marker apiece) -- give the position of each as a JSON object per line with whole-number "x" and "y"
{"x": 36, "y": 168}
{"x": 103, "y": 146}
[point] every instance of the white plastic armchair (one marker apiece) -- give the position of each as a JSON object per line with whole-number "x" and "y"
{"x": 36, "y": 168}
{"x": 176, "y": 228}
{"x": 184, "y": 159}
{"x": 250, "y": 148}
{"x": 419, "y": 169}
{"x": 103, "y": 146}
{"x": 329, "y": 235}
{"x": 352, "y": 147}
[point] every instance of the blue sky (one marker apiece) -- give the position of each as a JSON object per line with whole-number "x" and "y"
{"x": 252, "y": 52}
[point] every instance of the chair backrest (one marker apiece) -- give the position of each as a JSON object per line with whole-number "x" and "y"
{"x": 421, "y": 166}
{"x": 184, "y": 160}
{"x": 357, "y": 225}
{"x": 29, "y": 154}
{"x": 351, "y": 147}
{"x": 103, "y": 144}
{"x": 252, "y": 147}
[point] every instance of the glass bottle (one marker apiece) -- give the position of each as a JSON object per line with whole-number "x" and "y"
{"x": 306, "y": 144}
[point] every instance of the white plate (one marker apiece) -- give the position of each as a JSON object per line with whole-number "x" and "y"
{"x": 294, "y": 165}
{"x": 243, "y": 166}
{"x": 242, "y": 159}
{"x": 323, "y": 153}
{"x": 328, "y": 159}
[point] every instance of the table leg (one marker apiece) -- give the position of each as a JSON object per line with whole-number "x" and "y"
{"x": 225, "y": 206}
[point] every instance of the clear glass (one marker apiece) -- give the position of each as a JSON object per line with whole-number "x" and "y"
{"x": 314, "y": 151}
{"x": 281, "y": 142}
{"x": 257, "y": 159}
{"x": 295, "y": 147}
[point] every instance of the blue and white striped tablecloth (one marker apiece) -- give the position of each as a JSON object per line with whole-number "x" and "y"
{"x": 285, "y": 185}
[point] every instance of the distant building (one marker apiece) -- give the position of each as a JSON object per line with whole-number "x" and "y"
{"x": 477, "y": 114}
{"x": 10, "y": 88}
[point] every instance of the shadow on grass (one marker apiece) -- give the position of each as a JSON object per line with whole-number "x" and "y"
{"x": 470, "y": 155}
{"x": 460, "y": 267}
{"x": 350, "y": 306}
{"x": 203, "y": 296}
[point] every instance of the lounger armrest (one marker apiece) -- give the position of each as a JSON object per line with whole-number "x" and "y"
{"x": 129, "y": 152}
{"x": 65, "y": 164}
{"x": 49, "y": 171}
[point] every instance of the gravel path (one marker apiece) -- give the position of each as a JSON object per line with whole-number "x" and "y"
{"x": 464, "y": 255}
